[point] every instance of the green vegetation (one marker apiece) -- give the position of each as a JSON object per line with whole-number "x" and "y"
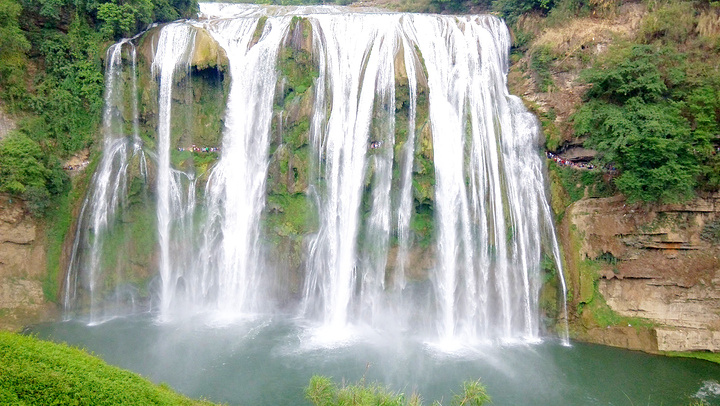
{"x": 653, "y": 109}
{"x": 423, "y": 176}
{"x": 28, "y": 171}
{"x": 652, "y": 105}
{"x": 549, "y": 299}
{"x": 600, "y": 314}
{"x": 125, "y": 19}
{"x": 13, "y": 48}
{"x": 632, "y": 121}
{"x": 198, "y": 111}
{"x": 592, "y": 306}
{"x": 58, "y": 106}
{"x": 322, "y": 391}
{"x": 707, "y": 356}
{"x": 59, "y": 221}
{"x": 568, "y": 185}
{"x": 34, "y": 372}
{"x": 513, "y": 9}
{"x": 540, "y": 62}
{"x": 289, "y": 214}
{"x": 61, "y": 43}
{"x": 711, "y": 232}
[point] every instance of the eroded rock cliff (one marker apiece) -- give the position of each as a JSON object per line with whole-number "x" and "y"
{"x": 658, "y": 267}
{"x": 22, "y": 267}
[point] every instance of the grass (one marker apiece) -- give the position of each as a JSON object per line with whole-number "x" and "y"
{"x": 707, "y": 356}
{"x": 36, "y": 372}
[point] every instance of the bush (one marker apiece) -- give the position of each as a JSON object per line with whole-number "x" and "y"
{"x": 13, "y": 49}
{"x": 512, "y": 9}
{"x": 27, "y": 171}
{"x": 37, "y": 200}
{"x": 61, "y": 104}
{"x": 644, "y": 116}
{"x": 673, "y": 22}
{"x": 540, "y": 61}
{"x": 323, "y": 392}
{"x": 21, "y": 164}
{"x": 628, "y": 72}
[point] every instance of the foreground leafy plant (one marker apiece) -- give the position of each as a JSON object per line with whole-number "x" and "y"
{"x": 322, "y": 391}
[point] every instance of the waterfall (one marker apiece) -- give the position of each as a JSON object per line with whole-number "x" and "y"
{"x": 354, "y": 73}
{"x": 87, "y": 267}
{"x": 236, "y": 188}
{"x": 484, "y": 274}
{"x": 172, "y": 54}
{"x": 424, "y": 174}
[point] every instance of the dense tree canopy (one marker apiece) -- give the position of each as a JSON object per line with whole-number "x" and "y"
{"x": 653, "y": 111}
{"x": 61, "y": 42}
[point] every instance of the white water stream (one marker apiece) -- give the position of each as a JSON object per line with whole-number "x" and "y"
{"x": 172, "y": 55}
{"x": 491, "y": 218}
{"x": 85, "y": 281}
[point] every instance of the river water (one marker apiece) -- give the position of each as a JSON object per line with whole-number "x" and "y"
{"x": 266, "y": 361}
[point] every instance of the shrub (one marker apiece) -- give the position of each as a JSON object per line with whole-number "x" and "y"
{"x": 673, "y": 22}
{"x": 540, "y": 61}
{"x": 27, "y": 171}
{"x": 323, "y": 392}
{"x": 21, "y": 164}
{"x": 13, "y": 60}
{"x": 37, "y": 200}
{"x": 644, "y": 116}
{"x": 512, "y": 9}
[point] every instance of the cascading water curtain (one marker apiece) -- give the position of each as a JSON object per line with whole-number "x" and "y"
{"x": 397, "y": 96}
{"x": 172, "y": 55}
{"x": 227, "y": 279}
{"x": 486, "y": 279}
{"x": 86, "y": 285}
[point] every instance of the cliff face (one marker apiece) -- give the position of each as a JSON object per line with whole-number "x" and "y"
{"x": 658, "y": 263}
{"x": 22, "y": 267}
{"x": 640, "y": 277}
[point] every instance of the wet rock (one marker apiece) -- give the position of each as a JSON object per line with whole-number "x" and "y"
{"x": 208, "y": 53}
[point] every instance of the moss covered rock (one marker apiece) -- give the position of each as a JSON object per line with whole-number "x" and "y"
{"x": 208, "y": 53}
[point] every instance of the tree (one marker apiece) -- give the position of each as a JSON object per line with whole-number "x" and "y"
{"x": 631, "y": 119}
{"x": 13, "y": 49}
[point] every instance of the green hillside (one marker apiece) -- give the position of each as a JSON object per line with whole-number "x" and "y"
{"x": 35, "y": 372}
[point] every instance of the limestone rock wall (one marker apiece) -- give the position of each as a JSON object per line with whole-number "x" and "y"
{"x": 657, "y": 263}
{"x": 22, "y": 267}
